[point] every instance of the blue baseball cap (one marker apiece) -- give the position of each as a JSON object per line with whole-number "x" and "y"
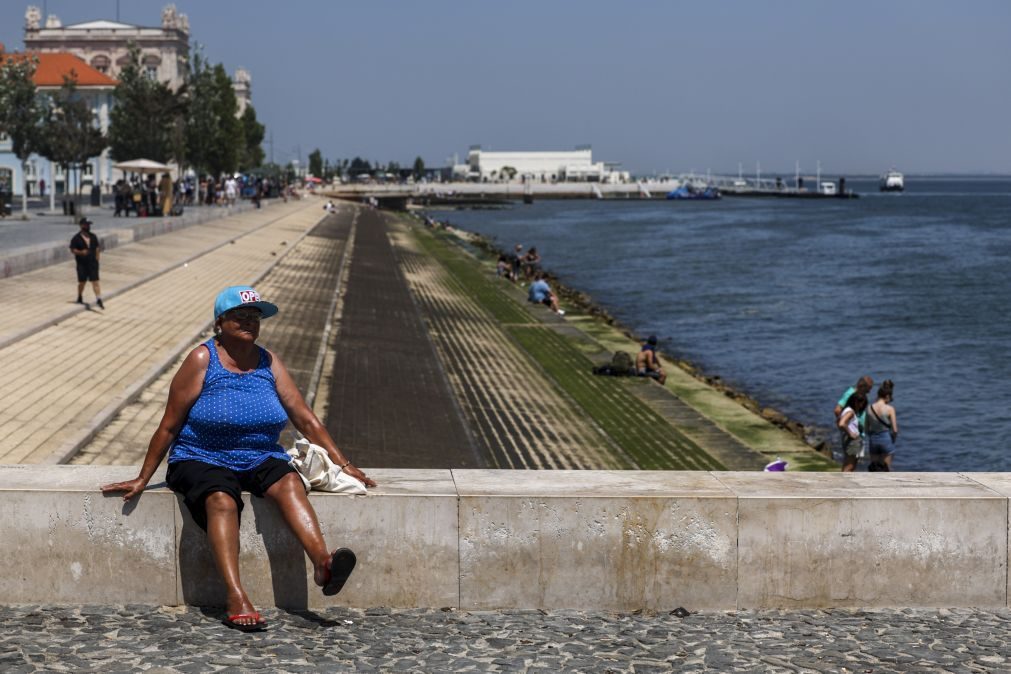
{"x": 234, "y": 297}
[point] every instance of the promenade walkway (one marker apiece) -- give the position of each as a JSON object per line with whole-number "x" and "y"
{"x": 81, "y": 366}
{"x": 304, "y": 284}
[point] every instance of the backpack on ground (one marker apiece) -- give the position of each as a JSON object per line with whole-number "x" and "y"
{"x": 621, "y": 365}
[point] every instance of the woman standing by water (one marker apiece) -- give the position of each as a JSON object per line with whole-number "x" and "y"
{"x": 227, "y": 406}
{"x": 882, "y": 426}
{"x": 849, "y": 428}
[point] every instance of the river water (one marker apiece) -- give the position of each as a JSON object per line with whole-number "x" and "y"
{"x": 791, "y": 301}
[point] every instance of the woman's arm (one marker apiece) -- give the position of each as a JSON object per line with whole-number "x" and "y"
{"x": 183, "y": 392}
{"x": 306, "y": 421}
{"x": 895, "y": 421}
{"x": 844, "y": 421}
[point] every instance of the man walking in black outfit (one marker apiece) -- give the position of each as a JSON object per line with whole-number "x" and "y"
{"x": 87, "y": 250}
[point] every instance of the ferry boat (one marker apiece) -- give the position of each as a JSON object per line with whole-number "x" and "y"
{"x": 892, "y": 182}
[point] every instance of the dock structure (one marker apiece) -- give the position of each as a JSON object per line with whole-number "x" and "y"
{"x": 397, "y": 196}
{"x": 796, "y": 187}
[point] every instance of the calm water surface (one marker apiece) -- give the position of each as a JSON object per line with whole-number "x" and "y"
{"x": 791, "y": 300}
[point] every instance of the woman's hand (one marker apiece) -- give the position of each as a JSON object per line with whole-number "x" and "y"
{"x": 354, "y": 472}
{"x": 131, "y": 488}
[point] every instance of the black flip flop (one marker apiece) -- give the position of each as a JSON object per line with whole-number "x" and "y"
{"x": 259, "y": 626}
{"x": 342, "y": 563}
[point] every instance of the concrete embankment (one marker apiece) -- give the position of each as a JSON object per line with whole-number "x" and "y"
{"x": 479, "y": 539}
{"x": 704, "y": 419}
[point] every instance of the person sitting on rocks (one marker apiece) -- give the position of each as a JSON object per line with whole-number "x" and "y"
{"x": 647, "y": 362}
{"x": 502, "y": 267}
{"x": 540, "y": 293}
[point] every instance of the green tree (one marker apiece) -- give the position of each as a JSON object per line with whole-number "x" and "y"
{"x": 316, "y": 163}
{"x": 253, "y": 133}
{"x": 214, "y": 135}
{"x": 359, "y": 166}
{"x": 508, "y": 172}
{"x": 419, "y": 168}
{"x": 70, "y": 132}
{"x": 21, "y": 113}
{"x": 145, "y": 120}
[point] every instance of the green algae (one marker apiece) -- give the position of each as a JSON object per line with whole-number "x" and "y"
{"x": 648, "y": 439}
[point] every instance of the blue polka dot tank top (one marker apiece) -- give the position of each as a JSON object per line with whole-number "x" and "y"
{"x": 236, "y": 421}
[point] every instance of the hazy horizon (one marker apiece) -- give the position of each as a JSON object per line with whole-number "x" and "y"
{"x": 860, "y": 87}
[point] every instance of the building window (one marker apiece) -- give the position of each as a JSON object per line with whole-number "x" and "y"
{"x": 151, "y": 64}
{"x": 88, "y": 169}
{"x": 101, "y": 63}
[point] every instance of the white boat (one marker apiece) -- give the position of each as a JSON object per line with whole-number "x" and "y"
{"x": 892, "y": 182}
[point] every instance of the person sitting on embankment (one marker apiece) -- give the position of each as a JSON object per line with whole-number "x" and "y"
{"x": 540, "y": 293}
{"x": 647, "y": 362}
{"x": 227, "y": 406}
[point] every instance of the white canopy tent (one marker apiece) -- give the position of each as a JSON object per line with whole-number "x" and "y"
{"x": 142, "y": 166}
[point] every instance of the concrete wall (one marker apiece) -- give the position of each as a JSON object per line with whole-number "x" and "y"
{"x": 482, "y": 539}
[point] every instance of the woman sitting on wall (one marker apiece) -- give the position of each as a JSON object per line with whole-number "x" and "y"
{"x": 227, "y": 406}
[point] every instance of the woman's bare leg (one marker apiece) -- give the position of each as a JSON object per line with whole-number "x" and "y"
{"x": 223, "y": 536}
{"x": 291, "y": 499}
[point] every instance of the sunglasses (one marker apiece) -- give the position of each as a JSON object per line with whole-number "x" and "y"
{"x": 240, "y": 315}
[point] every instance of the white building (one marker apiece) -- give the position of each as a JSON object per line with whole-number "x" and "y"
{"x": 104, "y": 45}
{"x": 551, "y": 166}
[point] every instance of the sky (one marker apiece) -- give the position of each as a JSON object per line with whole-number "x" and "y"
{"x": 860, "y": 86}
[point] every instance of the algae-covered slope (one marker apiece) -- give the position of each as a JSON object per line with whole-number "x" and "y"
{"x": 685, "y": 424}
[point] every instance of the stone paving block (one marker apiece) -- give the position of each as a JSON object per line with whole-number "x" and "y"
{"x": 404, "y": 533}
{"x": 869, "y": 540}
{"x": 64, "y": 542}
{"x": 609, "y": 540}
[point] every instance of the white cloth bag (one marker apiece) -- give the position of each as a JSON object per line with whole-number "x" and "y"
{"x": 319, "y": 472}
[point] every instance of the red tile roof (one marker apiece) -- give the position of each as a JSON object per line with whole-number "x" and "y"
{"x": 53, "y": 66}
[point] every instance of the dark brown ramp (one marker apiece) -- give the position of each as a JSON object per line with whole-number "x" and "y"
{"x": 390, "y": 405}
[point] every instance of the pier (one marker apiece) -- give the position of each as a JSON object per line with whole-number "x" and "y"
{"x": 397, "y": 196}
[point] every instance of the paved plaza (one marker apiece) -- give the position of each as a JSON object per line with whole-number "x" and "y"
{"x": 154, "y": 639}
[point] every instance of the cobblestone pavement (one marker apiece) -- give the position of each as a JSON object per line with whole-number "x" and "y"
{"x": 162, "y": 639}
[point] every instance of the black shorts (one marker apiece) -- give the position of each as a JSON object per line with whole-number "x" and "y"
{"x": 87, "y": 270}
{"x": 196, "y": 480}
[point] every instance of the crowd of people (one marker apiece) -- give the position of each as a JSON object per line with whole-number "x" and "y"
{"x": 519, "y": 266}
{"x": 867, "y": 430}
{"x": 153, "y": 196}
